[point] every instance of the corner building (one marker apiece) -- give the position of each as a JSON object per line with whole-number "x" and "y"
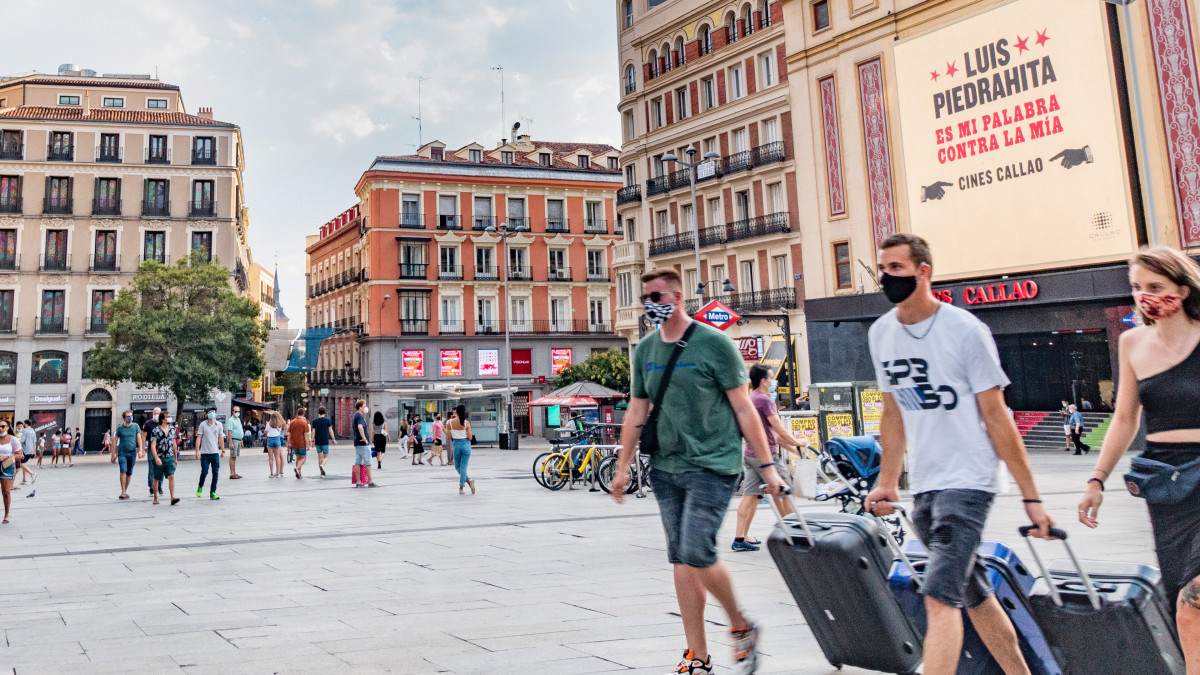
{"x": 431, "y": 294}
{"x": 99, "y": 173}
{"x": 711, "y": 76}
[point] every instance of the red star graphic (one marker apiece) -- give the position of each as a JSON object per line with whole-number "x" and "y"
{"x": 1022, "y": 45}
{"x": 1042, "y": 39}
{"x": 951, "y": 69}
{"x": 934, "y": 75}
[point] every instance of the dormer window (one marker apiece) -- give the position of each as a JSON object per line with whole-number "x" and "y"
{"x": 585, "y": 162}
{"x": 113, "y": 102}
{"x": 156, "y": 103}
{"x": 68, "y": 100}
{"x": 475, "y": 155}
{"x": 614, "y": 164}
{"x": 544, "y": 158}
{"x": 435, "y": 153}
{"x": 506, "y": 156}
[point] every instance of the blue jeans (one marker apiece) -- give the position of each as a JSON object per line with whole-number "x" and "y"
{"x": 462, "y": 455}
{"x": 692, "y": 506}
{"x": 208, "y": 460}
{"x": 126, "y": 460}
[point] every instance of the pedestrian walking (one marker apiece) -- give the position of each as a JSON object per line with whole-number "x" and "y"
{"x": 43, "y": 445}
{"x": 693, "y": 429}
{"x": 323, "y": 435}
{"x": 1065, "y": 411}
{"x": 943, "y": 396}
{"x": 78, "y": 443}
{"x": 298, "y": 436}
{"x": 68, "y": 447}
{"x": 275, "y": 432}
{"x": 234, "y": 437}
{"x": 56, "y": 444}
{"x": 1160, "y": 374}
{"x": 379, "y": 438}
{"x": 126, "y": 447}
{"x": 28, "y": 448}
{"x": 460, "y": 434}
{"x": 10, "y": 452}
{"x": 162, "y": 450}
{"x": 210, "y": 446}
{"x": 360, "y": 475}
{"x": 414, "y": 444}
{"x": 435, "y": 448}
{"x": 762, "y": 387}
{"x": 148, "y": 426}
{"x": 402, "y": 438}
{"x": 1076, "y": 423}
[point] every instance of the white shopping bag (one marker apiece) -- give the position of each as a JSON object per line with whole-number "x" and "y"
{"x": 804, "y": 478}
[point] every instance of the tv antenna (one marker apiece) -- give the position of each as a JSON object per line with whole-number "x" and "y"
{"x": 420, "y": 131}
{"x": 502, "y": 115}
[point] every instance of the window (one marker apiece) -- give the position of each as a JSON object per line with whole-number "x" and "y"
{"x": 653, "y": 63}
{"x": 656, "y": 113}
{"x": 475, "y": 155}
{"x": 690, "y": 282}
{"x": 49, "y": 367}
{"x": 628, "y": 12}
{"x": 156, "y": 150}
{"x": 681, "y": 102}
{"x": 709, "y": 88}
{"x": 110, "y": 148}
{"x": 104, "y": 250}
{"x": 687, "y": 217}
{"x": 593, "y": 214}
{"x": 614, "y": 164}
{"x": 202, "y": 198}
{"x": 518, "y": 263}
{"x": 628, "y": 126}
{"x": 681, "y": 51}
{"x": 706, "y": 45}
{"x": 447, "y": 212}
{"x": 202, "y": 244}
{"x": 448, "y": 262}
{"x": 584, "y": 161}
{"x": 710, "y": 144}
{"x": 53, "y": 314}
{"x": 414, "y": 313}
{"x": 450, "y": 318}
{"x": 764, "y": 7}
{"x": 630, "y": 80}
{"x": 204, "y": 150}
{"x": 61, "y": 147}
{"x": 741, "y": 205}
{"x": 11, "y": 146}
{"x": 8, "y": 249}
{"x": 718, "y": 272}
{"x": 10, "y": 194}
{"x": 6, "y": 324}
{"x": 666, "y": 57}
{"x": 630, "y": 174}
{"x": 775, "y": 198}
{"x": 747, "y": 20}
{"x": 154, "y": 246}
{"x": 714, "y": 212}
{"x": 737, "y": 85}
{"x": 506, "y": 157}
{"x": 731, "y": 26}
{"x": 624, "y": 289}
{"x": 596, "y": 268}
{"x": 58, "y": 195}
{"x": 113, "y": 102}
{"x": 518, "y": 313}
{"x": 101, "y": 313}
{"x": 770, "y": 130}
{"x": 597, "y": 316}
{"x": 68, "y": 100}
{"x": 556, "y": 220}
{"x": 437, "y": 153}
{"x": 483, "y": 213}
{"x": 559, "y": 271}
{"x": 631, "y": 228}
{"x": 841, "y": 258}
{"x": 659, "y": 166}
{"x": 747, "y": 268}
{"x": 410, "y": 211}
{"x": 485, "y": 315}
{"x": 740, "y": 140}
{"x": 560, "y": 314}
{"x": 766, "y": 70}
{"x": 820, "y": 11}
{"x": 157, "y": 202}
{"x": 156, "y": 103}
{"x": 663, "y": 225}
{"x": 516, "y": 211}
{"x": 779, "y": 269}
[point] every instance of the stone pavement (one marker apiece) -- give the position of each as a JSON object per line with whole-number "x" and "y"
{"x": 300, "y": 576}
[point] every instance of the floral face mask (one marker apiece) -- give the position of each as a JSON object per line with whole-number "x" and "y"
{"x": 1158, "y": 306}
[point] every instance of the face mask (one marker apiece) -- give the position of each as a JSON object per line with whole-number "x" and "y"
{"x": 128, "y": 420}
{"x": 657, "y": 312}
{"x": 237, "y": 414}
{"x": 212, "y": 416}
{"x": 156, "y": 417}
{"x": 167, "y": 420}
{"x": 773, "y": 386}
{"x": 1158, "y": 306}
{"x": 897, "y": 289}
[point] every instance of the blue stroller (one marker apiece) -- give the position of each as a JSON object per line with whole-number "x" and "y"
{"x": 850, "y": 466}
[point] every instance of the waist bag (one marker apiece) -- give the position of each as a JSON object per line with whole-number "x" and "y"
{"x": 1162, "y": 483}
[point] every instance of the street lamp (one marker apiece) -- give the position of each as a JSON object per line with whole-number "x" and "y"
{"x": 504, "y": 232}
{"x": 691, "y": 165}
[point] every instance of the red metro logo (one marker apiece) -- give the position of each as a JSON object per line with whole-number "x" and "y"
{"x": 717, "y": 315}
{"x": 1005, "y": 292}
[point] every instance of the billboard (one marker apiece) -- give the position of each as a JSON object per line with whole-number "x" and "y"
{"x": 489, "y": 361}
{"x": 522, "y": 362}
{"x": 1011, "y": 139}
{"x": 452, "y": 363}
{"x": 413, "y": 363}
{"x": 560, "y": 360}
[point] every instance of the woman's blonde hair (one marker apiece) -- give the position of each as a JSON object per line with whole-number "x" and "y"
{"x": 1177, "y": 267}
{"x": 276, "y": 419}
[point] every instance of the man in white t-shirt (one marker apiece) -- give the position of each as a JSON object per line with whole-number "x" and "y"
{"x": 943, "y": 394}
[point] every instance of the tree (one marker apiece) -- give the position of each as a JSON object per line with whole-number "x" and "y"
{"x": 181, "y": 328}
{"x": 610, "y": 368}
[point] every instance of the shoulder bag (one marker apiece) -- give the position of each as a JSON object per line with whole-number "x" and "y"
{"x": 648, "y": 439}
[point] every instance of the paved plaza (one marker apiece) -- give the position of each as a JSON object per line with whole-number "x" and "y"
{"x": 300, "y": 576}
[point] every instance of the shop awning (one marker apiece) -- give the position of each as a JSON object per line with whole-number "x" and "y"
{"x": 587, "y": 388}
{"x": 572, "y": 401}
{"x": 253, "y": 405}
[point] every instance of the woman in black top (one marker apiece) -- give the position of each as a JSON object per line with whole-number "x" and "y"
{"x": 380, "y": 438}
{"x": 1160, "y": 372}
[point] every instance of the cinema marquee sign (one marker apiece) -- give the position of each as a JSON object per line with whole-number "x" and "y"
{"x": 989, "y": 294}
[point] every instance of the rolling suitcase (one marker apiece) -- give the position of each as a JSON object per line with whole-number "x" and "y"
{"x": 1012, "y": 581}
{"x": 1105, "y": 618}
{"x": 835, "y": 565}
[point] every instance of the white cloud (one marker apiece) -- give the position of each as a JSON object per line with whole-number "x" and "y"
{"x": 242, "y": 30}
{"x": 350, "y": 120}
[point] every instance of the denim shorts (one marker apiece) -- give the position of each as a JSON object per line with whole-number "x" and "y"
{"x": 300, "y": 452}
{"x": 950, "y": 524}
{"x": 274, "y": 441}
{"x": 692, "y": 506}
{"x": 322, "y": 449}
{"x": 362, "y": 455}
{"x": 126, "y": 460}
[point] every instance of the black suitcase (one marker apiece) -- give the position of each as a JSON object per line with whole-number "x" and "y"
{"x": 1105, "y": 618}
{"x": 836, "y": 566}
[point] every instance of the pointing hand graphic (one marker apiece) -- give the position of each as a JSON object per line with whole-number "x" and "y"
{"x": 935, "y": 191}
{"x": 1073, "y": 158}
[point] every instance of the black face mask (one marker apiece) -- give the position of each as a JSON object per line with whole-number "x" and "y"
{"x": 897, "y": 289}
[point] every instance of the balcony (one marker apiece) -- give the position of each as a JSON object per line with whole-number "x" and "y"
{"x": 771, "y": 300}
{"x": 10, "y": 264}
{"x": 97, "y": 326}
{"x": 10, "y": 150}
{"x": 629, "y": 194}
{"x": 514, "y": 222}
{"x": 104, "y": 263}
{"x": 412, "y": 221}
{"x": 158, "y": 156}
{"x": 204, "y": 157}
{"x": 11, "y": 206}
{"x": 413, "y": 270}
{"x": 679, "y": 179}
{"x": 51, "y": 327}
{"x": 204, "y": 208}
{"x": 595, "y": 226}
{"x": 627, "y": 253}
{"x": 629, "y": 317}
{"x": 673, "y": 243}
{"x": 161, "y": 259}
{"x": 520, "y": 273}
{"x": 630, "y": 87}
{"x": 550, "y": 326}
{"x": 559, "y": 274}
{"x": 759, "y": 226}
{"x": 487, "y": 273}
{"x": 486, "y": 327}
{"x": 657, "y": 186}
{"x": 414, "y": 326}
{"x": 769, "y": 153}
{"x": 481, "y": 223}
{"x": 598, "y": 276}
{"x": 157, "y": 207}
{"x": 108, "y": 154}
{"x": 712, "y": 236}
{"x": 106, "y": 207}
{"x": 450, "y": 222}
{"x": 738, "y": 161}
{"x": 450, "y": 272}
{"x": 452, "y": 328}
{"x": 58, "y": 205}
{"x": 556, "y": 224}
{"x": 60, "y": 153}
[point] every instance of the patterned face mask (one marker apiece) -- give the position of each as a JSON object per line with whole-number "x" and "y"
{"x": 658, "y": 312}
{"x": 1158, "y": 306}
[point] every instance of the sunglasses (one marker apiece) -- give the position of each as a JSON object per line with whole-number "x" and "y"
{"x": 655, "y": 296}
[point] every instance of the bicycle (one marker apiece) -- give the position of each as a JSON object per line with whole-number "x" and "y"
{"x": 639, "y": 472}
{"x": 578, "y": 462}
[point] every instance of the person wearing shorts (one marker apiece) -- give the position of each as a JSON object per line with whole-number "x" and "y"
{"x": 127, "y": 446}
{"x": 162, "y": 451}
{"x": 298, "y": 433}
{"x": 276, "y": 429}
{"x": 360, "y": 475}
{"x": 322, "y": 428}
{"x": 943, "y": 400}
{"x": 28, "y": 438}
{"x": 235, "y": 435}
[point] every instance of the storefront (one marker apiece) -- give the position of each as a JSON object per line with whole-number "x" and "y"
{"x": 1056, "y": 333}
{"x": 8, "y": 409}
{"x": 48, "y": 412}
{"x": 485, "y": 409}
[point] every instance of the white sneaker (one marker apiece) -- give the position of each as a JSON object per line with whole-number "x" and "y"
{"x": 691, "y": 666}
{"x": 745, "y": 649}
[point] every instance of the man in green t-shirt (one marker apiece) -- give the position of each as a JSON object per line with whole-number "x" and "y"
{"x": 706, "y": 411}
{"x": 127, "y": 446}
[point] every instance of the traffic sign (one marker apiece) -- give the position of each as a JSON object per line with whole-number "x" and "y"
{"x": 717, "y": 315}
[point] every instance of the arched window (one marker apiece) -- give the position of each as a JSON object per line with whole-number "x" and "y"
{"x": 680, "y": 50}
{"x": 666, "y": 55}
{"x": 705, "y": 40}
{"x": 764, "y": 6}
{"x": 49, "y": 368}
{"x": 98, "y": 394}
{"x": 627, "y": 10}
{"x": 8, "y": 368}
{"x": 630, "y": 80}
{"x": 748, "y": 19}
{"x": 653, "y": 63}
{"x": 731, "y": 26}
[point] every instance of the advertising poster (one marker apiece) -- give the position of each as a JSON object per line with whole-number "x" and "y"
{"x": 452, "y": 363}
{"x": 839, "y": 425}
{"x": 489, "y": 361}
{"x": 871, "y": 403}
{"x": 414, "y": 363}
{"x": 522, "y": 362}
{"x": 560, "y": 360}
{"x": 806, "y": 427}
{"x": 1002, "y": 115}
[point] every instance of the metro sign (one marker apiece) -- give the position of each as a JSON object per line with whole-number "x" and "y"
{"x": 717, "y": 315}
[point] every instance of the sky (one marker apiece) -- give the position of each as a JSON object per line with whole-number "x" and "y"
{"x": 322, "y": 87}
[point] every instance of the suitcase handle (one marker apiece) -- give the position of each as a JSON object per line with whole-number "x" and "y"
{"x": 1060, "y": 535}
{"x": 788, "y": 493}
{"x": 895, "y": 546}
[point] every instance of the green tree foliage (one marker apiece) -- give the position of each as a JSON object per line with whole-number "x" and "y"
{"x": 181, "y": 328}
{"x": 610, "y": 368}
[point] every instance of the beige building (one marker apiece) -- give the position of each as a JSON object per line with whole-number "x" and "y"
{"x": 710, "y": 77}
{"x": 99, "y": 173}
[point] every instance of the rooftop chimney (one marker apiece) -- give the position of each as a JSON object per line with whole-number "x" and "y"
{"x": 206, "y": 113}
{"x": 87, "y": 105}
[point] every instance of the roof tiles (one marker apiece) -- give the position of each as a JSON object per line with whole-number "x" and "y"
{"x": 118, "y": 115}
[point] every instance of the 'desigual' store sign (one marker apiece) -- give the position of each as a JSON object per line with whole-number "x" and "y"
{"x": 1002, "y": 115}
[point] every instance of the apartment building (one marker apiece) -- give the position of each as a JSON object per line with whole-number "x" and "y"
{"x": 97, "y": 174}
{"x": 431, "y": 299}
{"x": 706, "y": 83}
